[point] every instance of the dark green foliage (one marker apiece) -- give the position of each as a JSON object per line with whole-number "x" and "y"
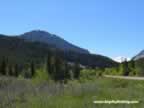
{"x": 125, "y": 68}
{"x": 10, "y": 70}
{"x": 48, "y": 64}
{"x": 53, "y": 67}
{"x": 131, "y": 65}
{"x": 32, "y": 68}
{"x": 67, "y": 71}
{"x": 16, "y": 70}
{"x": 59, "y": 65}
{"x": 27, "y": 75}
{"x": 76, "y": 70}
{"x": 3, "y": 67}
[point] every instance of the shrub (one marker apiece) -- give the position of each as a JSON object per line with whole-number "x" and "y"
{"x": 41, "y": 75}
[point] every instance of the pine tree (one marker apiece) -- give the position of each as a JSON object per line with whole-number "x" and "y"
{"x": 49, "y": 64}
{"x": 131, "y": 66}
{"x": 59, "y": 73}
{"x": 76, "y": 70}
{"x": 125, "y": 68}
{"x": 3, "y": 67}
{"x": 16, "y": 70}
{"x": 32, "y": 69}
{"x": 53, "y": 67}
{"x": 67, "y": 72}
{"x": 10, "y": 70}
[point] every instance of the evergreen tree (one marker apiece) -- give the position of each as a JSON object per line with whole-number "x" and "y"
{"x": 49, "y": 64}
{"x": 16, "y": 70}
{"x": 76, "y": 70}
{"x": 131, "y": 66}
{"x": 10, "y": 70}
{"x": 53, "y": 67}
{"x": 59, "y": 66}
{"x": 3, "y": 67}
{"x": 67, "y": 72}
{"x": 124, "y": 68}
{"x": 32, "y": 69}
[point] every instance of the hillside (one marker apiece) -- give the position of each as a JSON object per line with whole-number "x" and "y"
{"x": 139, "y": 55}
{"x": 20, "y": 51}
{"x": 58, "y": 42}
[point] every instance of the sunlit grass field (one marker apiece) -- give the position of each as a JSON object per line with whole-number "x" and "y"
{"x": 22, "y": 93}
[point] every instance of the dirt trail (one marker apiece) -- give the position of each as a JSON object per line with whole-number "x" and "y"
{"x": 125, "y": 77}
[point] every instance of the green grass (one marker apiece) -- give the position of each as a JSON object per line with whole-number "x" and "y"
{"x": 26, "y": 94}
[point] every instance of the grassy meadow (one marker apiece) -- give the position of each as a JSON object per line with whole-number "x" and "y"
{"x": 31, "y": 93}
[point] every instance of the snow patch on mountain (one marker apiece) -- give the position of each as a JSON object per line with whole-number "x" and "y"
{"x": 121, "y": 59}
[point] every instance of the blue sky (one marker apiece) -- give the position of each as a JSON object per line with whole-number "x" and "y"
{"x": 109, "y": 27}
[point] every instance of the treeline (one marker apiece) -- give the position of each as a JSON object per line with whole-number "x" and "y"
{"x": 59, "y": 69}
{"x": 56, "y": 67}
{"x": 131, "y": 68}
{"x": 7, "y": 69}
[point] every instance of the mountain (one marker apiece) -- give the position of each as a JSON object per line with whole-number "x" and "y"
{"x": 21, "y": 51}
{"x": 139, "y": 55}
{"x": 51, "y": 39}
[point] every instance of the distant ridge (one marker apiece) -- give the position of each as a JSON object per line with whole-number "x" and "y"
{"x": 139, "y": 55}
{"x": 51, "y": 39}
